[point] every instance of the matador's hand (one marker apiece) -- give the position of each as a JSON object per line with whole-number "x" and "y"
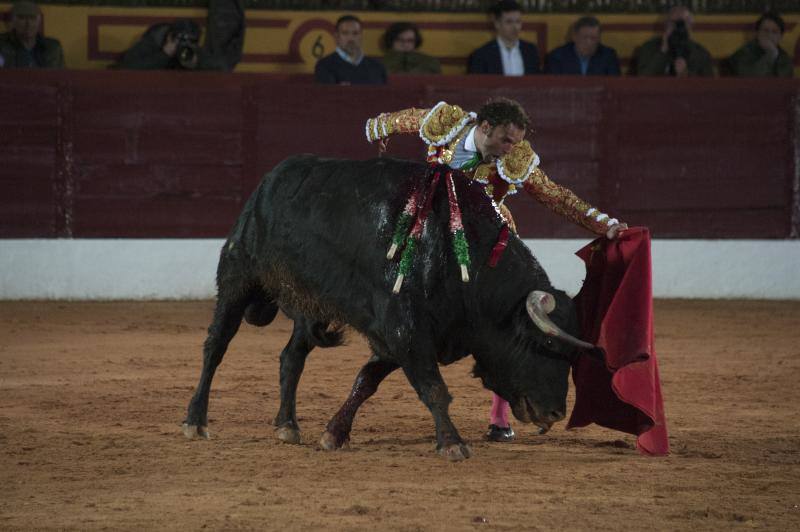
{"x": 615, "y": 230}
{"x": 383, "y": 145}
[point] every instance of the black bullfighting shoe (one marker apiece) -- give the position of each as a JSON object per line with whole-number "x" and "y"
{"x": 500, "y": 434}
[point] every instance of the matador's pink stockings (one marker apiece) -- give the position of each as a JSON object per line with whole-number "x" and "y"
{"x": 499, "y": 414}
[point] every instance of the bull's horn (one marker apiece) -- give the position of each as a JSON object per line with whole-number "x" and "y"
{"x": 539, "y": 304}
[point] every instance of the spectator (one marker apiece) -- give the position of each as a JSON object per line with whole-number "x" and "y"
{"x": 166, "y": 46}
{"x": 348, "y": 64}
{"x": 673, "y": 53}
{"x": 584, "y": 55}
{"x": 507, "y": 54}
{"x": 24, "y": 46}
{"x": 401, "y": 41}
{"x": 225, "y": 31}
{"x": 763, "y": 56}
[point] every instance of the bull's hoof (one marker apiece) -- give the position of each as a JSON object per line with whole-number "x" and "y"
{"x": 288, "y": 435}
{"x": 328, "y": 443}
{"x": 456, "y": 452}
{"x": 195, "y": 431}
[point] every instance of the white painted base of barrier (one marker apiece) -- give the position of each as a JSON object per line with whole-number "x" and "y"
{"x": 186, "y": 268}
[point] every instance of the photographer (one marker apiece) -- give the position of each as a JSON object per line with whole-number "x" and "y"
{"x": 167, "y": 46}
{"x": 674, "y": 53}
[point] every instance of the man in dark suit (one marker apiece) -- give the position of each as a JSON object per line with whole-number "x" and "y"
{"x": 348, "y": 65}
{"x": 584, "y": 55}
{"x": 507, "y": 54}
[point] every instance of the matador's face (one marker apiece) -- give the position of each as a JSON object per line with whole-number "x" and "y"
{"x": 494, "y": 142}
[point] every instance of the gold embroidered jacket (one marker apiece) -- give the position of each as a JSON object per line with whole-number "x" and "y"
{"x": 442, "y": 128}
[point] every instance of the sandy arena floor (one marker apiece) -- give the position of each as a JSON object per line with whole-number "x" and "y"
{"x": 92, "y": 396}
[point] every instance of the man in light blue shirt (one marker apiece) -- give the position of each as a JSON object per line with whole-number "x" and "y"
{"x": 585, "y": 55}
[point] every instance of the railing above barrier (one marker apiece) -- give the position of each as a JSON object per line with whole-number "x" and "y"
{"x": 474, "y": 6}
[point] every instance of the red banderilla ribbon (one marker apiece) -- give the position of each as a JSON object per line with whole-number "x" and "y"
{"x": 499, "y": 247}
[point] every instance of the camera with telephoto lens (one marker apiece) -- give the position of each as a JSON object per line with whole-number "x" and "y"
{"x": 678, "y": 41}
{"x": 186, "y": 34}
{"x": 186, "y": 51}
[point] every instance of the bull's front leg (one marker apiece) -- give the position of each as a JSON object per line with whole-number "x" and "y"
{"x": 337, "y": 433}
{"x": 424, "y": 376}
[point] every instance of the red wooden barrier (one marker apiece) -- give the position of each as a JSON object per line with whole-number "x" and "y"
{"x": 164, "y": 154}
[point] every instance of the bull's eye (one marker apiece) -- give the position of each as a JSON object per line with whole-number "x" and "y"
{"x": 549, "y": 343}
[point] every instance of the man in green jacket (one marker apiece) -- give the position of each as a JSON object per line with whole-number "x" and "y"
{"x": 763, "y": 57}
{"x": 673, "y": 53}
{"x": 24, "y": 46}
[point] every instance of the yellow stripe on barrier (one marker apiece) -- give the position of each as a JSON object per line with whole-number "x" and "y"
{"x": 291, "y": 41}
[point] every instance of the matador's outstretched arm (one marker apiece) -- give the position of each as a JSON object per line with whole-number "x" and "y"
{"x": 563, "y": 201}
{"x": 386, "y": 124}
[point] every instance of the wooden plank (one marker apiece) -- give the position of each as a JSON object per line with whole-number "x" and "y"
{"x": 156, "y": 216}
{"x": 26, "y": 104}
{"x": 687, "y": 192}
{"x": 299, "y": 124}
{"x": 705, "y": 223}
{"x": 124, "y": 180}
{"x": 156, "y": 145}
{"x": 172, "y": 108}
{"x": 27, "y": 205}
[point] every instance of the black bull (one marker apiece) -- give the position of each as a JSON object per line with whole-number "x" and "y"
{"x": 312, "y": 241}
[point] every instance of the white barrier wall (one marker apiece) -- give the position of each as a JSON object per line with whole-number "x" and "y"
{"x": 186, "y": 268}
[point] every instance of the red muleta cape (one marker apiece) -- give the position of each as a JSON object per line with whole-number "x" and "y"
{"x": 615, "y": 310}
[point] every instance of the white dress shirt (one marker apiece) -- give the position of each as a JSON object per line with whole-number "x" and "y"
{"x": 465, "y": 150}
{"x": 344, "y": 55}
{"x": 512, "y": 59}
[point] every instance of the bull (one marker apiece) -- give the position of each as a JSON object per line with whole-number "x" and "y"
{"x": 312, "y": 240}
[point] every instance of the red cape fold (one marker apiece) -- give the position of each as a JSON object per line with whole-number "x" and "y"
{"x": 615, "y": 310}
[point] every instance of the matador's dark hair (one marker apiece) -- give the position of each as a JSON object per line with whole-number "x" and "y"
{"x": 502, "y": 111}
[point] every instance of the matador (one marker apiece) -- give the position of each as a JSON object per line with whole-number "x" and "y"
{"x": 490, "y": 147}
